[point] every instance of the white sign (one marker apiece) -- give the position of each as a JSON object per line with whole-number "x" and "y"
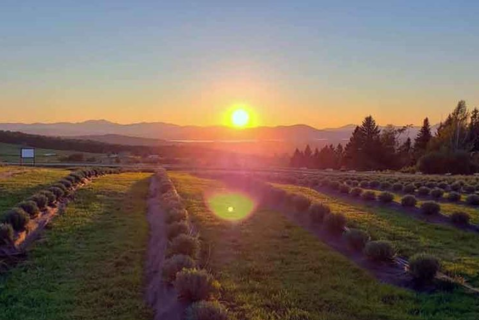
{"x": 28, "y": 153}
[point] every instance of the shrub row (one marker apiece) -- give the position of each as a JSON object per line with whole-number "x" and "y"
{"x": 423, "y": 191}
{"x": 181, "y": 269}
{"x": 422, "y": 267}
{"x": 17, "y": 218}
{"x": 437, "y": 191}
{"x": 427, "y": 208}
{"x": 407, "y": 184}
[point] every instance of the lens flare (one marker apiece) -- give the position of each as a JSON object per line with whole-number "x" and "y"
{"x": 231, "y": 206}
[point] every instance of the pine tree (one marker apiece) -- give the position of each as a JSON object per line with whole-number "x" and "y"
{"x": 296, "y": 159}
{"x": 405, "y": 153}
{"x": 389, "y": 144}
{"x": 364, "y": 148}
{"x": 316, "y": 159}
{"x": 308, "y": 157}
{"x": 423, "y": 137}
{"x": 353, "y": 148}
{"x": 422, "y": 140}
{"x": 339, "y": 154}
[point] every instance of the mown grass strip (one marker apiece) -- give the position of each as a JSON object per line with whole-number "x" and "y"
{"x": 272, "y": 269}
{"x": 90, "y": 264}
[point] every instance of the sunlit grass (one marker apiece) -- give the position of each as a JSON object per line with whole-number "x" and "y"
{"x": 272, "y": 269}
{"x": 90, "y": 263}
{"x": 24, "y": 182}
{"x": 458, "y": 250}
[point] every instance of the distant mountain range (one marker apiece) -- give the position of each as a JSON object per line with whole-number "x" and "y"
{"x": 159, "y": 132}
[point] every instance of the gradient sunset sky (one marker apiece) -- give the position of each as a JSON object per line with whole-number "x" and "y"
{"x": 322, "y": 63}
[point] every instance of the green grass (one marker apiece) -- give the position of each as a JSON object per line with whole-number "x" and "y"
{"x": 89, "y": 265}
{"x": 272, "y": 269}
{"x": 24, "y": 182}
{"x": 458, "y": 250}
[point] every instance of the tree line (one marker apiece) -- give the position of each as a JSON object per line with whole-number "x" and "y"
{"x": 452, "y": 148}
{"x": 167, "y": 153}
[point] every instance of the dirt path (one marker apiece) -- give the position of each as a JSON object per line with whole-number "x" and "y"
{"x": 159, "y": 296}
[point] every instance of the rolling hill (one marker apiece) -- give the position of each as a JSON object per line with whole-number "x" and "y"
{"x": 106, "y": 130}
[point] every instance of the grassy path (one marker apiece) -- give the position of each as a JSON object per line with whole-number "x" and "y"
{"x": 272, "y": 269}
{"x": 89, "y": 265}
{"x": 19, "y": 186}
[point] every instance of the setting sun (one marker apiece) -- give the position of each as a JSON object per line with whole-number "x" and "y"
{"x": 240, "y": 118}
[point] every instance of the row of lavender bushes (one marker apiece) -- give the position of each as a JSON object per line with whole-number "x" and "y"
{"x": 17, "y": 218}
{"x": 459, "y": 218}
{"x": 469, "y": 185}
{"x": 430, "y": 190}
{"x": 182, "y": 269}
{"x": 360, "y": 191}
{"x": 422, "y": 267}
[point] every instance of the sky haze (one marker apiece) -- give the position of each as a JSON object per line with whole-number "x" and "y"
{"x": 322, "y": 63}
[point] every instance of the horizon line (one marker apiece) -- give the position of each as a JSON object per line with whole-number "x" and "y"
{"x": 197, "y": 126}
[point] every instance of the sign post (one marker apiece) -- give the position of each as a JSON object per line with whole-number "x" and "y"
{"x": 27, "y": 153}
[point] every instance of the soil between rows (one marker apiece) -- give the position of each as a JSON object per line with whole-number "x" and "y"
{"x": 161, "y": 297}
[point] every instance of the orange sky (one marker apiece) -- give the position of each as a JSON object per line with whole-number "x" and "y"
{"x": 270, "y": 102}
{"x": 316, "y": 63}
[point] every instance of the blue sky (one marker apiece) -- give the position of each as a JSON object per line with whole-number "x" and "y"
{"x": 324, "y": 63}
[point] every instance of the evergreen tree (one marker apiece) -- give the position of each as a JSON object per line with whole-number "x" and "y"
{"x": 308, "y": 157}
{"x": 339, "y": 154}
{"x": 423, "y": 137}
{"x": 364, "y": 148}
{"x": 316, "y": 159}
{"x": 389, "y": 145}
{"x": 406, "y": 153}
{"x": 353, "y": 148}
{"x": 297, "y": 159}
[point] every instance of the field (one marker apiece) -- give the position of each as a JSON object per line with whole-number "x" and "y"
{"x": 457, "y": 249}
{"x": 10, "y": 153}
{"x": 18, "y": 183}
{"x": 272, "y": 269}
{"x": 89, "y": 264}
{"x": 92, "y": 260}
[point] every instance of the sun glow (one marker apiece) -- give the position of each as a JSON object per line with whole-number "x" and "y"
{"x": 240, "y": 118}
